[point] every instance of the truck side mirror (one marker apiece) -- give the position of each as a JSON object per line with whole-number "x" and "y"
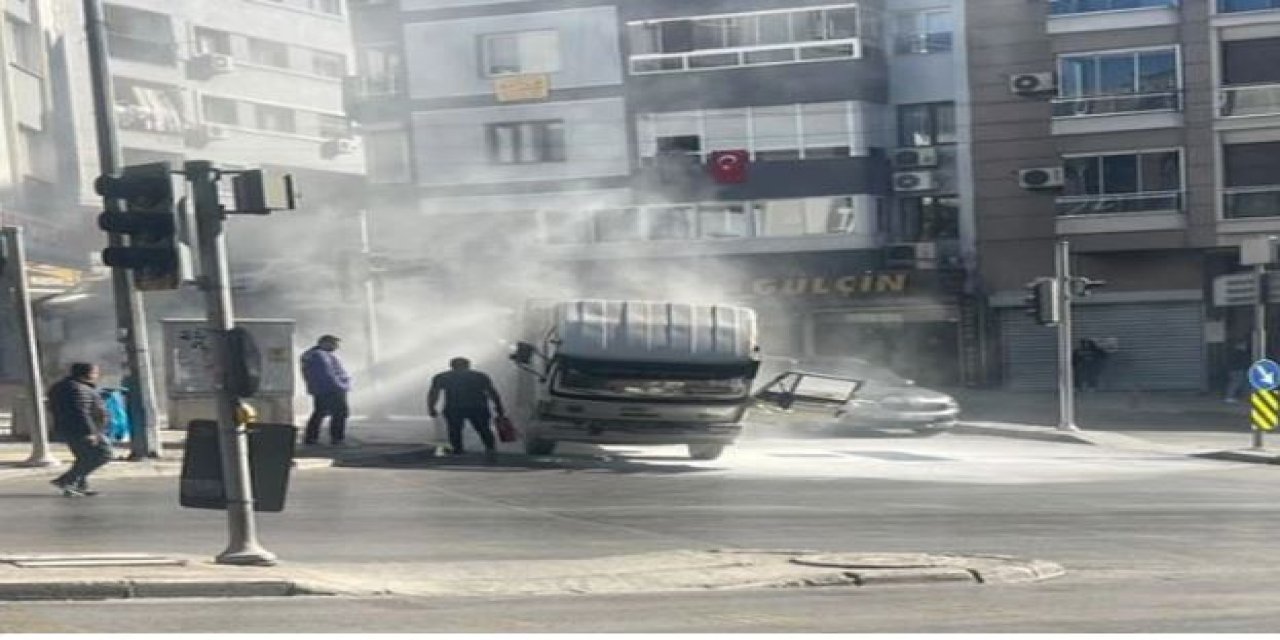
{"x": 523, "y": 353}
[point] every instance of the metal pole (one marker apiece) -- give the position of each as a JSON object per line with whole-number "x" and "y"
{"x": 370, "y": 316}
{"x": 1259, "y": 330}
{"x": 1066, "y": 386}
{"x": 131, "y": 318}
{"x": 12, "y": 237}
{"x": 243, "y": 548}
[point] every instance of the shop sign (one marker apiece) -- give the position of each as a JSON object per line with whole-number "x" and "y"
{"x": 854, "y": 285}
{"x": 529, "y": 86}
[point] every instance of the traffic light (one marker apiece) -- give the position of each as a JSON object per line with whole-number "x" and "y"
{"x": 1043, "y": 301}
{"x": 1082, "y": 287}
{"x": 149, "y": 221}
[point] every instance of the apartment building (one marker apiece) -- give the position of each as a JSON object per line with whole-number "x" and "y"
{"x": 807, "y": 158}
{"x": 1144, "y": 132}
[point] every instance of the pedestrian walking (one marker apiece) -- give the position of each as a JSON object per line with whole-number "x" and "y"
{"x": 467, "y": 394}
{"x": 80, "y": 419}
{"x": 328, "y": 384}
{"x": 1087, "y": 361}
{"x": 1238, "y": 359}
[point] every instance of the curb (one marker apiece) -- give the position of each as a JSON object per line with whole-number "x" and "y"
{"x": 1258, "y": 457}
{"x": 152, "y": 588}
{"x": 1021, "y": 431}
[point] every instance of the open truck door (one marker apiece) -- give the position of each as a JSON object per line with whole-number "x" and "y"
{"x": 797, "y": 398}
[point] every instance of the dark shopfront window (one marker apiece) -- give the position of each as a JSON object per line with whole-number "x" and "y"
{"x": 926, "y": 219}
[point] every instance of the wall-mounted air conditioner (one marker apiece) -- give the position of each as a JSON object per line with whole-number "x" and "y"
{"x": 1041, "y": 178}
{"x": 1032, "y": 83}
{"x": 339, "y": 147}
{"x": 907, "y": 181}
{"x": 915, "y": 157}
{"x": 214, "y": 63}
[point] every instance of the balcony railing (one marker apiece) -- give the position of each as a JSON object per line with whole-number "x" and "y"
{"x": 1251, "y": 202}
{"x": 1249, "y": 100}
{"x": 1071, "y": 7}
{"x": 705, "y": 59}
{"x": 1072, "y": 107}
{"x": 923, "y": 42}
{"x": 1239, "y": 6}
{"x": 1119, "y": 203}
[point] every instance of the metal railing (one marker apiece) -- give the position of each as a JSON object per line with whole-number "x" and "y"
{"x": 745, "y": 56}
{"x": 923, "y": 42}
{"x": 1069, "y": 7}
{"x": 1077, "y": 106}
{"x": 1261, "y": 201}
{"x": 1249, "y": 100}
{"x": 1119, "y": 203}
{"x": 1238, "y": 6}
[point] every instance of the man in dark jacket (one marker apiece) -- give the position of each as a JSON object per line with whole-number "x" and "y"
{"x": 80, "y": 417}
{"x": 328, "y": 384}
{"x": 466, "y": 399}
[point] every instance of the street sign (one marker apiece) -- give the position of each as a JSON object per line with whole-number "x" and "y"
{"x": 1264, "y": 375}
{"x": 1265, "y": 413}
{"x": 1235, "y": 289}
{"x": 1258, "y": 250}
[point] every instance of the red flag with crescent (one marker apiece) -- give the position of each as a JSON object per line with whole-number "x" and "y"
{"x": 729, "y": 167}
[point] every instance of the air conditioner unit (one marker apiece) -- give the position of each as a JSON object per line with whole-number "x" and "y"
{"x": 1032, "y": 83}
{"x": 914, "y": 181}
{"x": 214, "y": 63}
{"x": 917, "y": 157}
{"x": 1041, "y": 178}
{"x": 202, "y": 134}
{"x": 339, "y": 146}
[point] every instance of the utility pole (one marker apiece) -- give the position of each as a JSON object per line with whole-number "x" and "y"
{"x": 370, "y": 313}
{"x": 243, "y": 548}
{"x": 1066, "y": 386}
{"x": 15, "y": 254}
{"x": 131, "y": 317}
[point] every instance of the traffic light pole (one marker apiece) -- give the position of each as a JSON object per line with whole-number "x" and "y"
{"x": 12, "y": 239}
{"x": 1066, "y": 387}
{"x": 243, "y": 548}
{"x": 131, "y": 317}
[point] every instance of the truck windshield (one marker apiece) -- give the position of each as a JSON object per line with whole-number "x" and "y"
{"x": 649, "y": 382}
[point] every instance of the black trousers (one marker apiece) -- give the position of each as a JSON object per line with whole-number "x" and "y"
{"x": 333, "y": 406}
{"x": 89, "y": 458}
{"x": 479, "y": 419}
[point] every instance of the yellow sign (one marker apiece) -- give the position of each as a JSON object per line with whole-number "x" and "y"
{"x": 1266, "y": 410}
{"x": 853, "y": 285}
{"x": 530, "y": 86}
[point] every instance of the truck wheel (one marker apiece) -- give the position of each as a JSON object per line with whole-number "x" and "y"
{"x": 539, "y": 447}
{"x": 705, "y": 451}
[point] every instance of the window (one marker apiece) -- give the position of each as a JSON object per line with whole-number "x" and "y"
{"x": 924, "y": 32}
{"x": 1068, "y": 7}
{"x": 380, "y": 70}
{"x": 785, "y": 132}
{"x": 328, "y": 6}
{"x": 671, "y": 223}
{"x": 329, "y": 65}
{"x": 1118, "y": 82}
{"x": 807, "y": 216}
{"x": 387, "y": 156}
{"x": 1251, "y": 172}
{"x": 523, "y": 52}
{"x": 618, "y": 225}
{"x": 219, "y": 110}
{"x": 926, "y": 219}
{"x": 142, "y": 106}
{"x": 526, "y": 142}
{"x": 926, "y": 125}
{"x": 212, "y": 41}
{"x": 141, "y": 36}
{"x": 724, "y": 220}
{"x": 272, "y": 118}
{"x": 268, "y": 53}
{"x": 24, "y": 44}
{"x": 1122, "y": 183}
{"x": 330, "y": 126}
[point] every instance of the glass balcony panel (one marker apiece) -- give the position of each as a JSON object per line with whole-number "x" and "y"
{"x": 1071, "y": 7}
{"x": 1237, "y": 6}
{"x": 1249, "y": 100}
{"x": 1116, "y": 104}
{"x": 1251, "y": 202}
{"x": 1119, "y": 203}
{"x": 142, "y": 50}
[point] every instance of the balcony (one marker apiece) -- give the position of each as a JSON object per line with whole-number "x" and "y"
{"x": 1251, "y": 202}
{"x": 1119, "y": 203}
{"x": 757, "y": 55}
{"x": 909, "y": 43}
{"x": 1082, "y": 106}
{"x": 135, "y": 117}
{"x": 1070, "y": 16}
{"x": 1241, "y": 6}
{"x": 1249, "y": 100}
{"x": 135, "y": 49}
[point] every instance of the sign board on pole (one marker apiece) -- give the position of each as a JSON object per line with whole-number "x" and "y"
{"x": 1264, "y": 412}
{"x": 1258, "y": 250}
{"x": 1264, "y": 375}
{"x": 1235, "y": 289}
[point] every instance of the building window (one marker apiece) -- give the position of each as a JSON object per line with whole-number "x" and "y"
{"x": 23, "y": 43}
{"x": 744, "y": 39}
{"x": 331, "y": 126}
{"x": 1118, "y": 82}
{"x": 219, "y": 110}
{"x": 926, "y": 125}
{"x": 1068, "y": 7}
{"x": 272, "y": 118}
{"x": 379, "y": 69}
{"x": 786, "y": 132}
{"x": 806, "y": 216}
{"x": 212, "y": 41}
{"x": 925, "y": 219}
{"x": 671, "y": 222}
{"x": 140, "y": 36}
{"x": 1251, "y": 177}
{"x": 526, "y": 142}
{"x": 142, "y": 106}
{"x": 522, "y": 52}
{"x": 328, "y": 6}
{"x": 329, "y": 65}
{"x": 924, "y": 32}
{"x": 1122, "y": 183}
{"x": 268, "y": 53}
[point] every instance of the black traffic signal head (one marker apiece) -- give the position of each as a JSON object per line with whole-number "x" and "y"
{"x": 149, "y": 222}
{"x": 1043, "y": 301}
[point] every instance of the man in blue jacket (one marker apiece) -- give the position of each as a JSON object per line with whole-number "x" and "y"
{"x": 328, "y": 384}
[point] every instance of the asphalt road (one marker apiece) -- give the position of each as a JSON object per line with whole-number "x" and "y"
{"x": 1152, "y": 542}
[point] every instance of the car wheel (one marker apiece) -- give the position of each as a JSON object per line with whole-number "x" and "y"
{"x": 705, "y": 451}
{"x": 539, "y": 447}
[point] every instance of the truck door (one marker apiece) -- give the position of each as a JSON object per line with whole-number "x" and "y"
{"x": 796, "y": 398}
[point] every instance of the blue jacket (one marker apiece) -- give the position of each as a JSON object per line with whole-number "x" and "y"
{"x": 323, "y": 372}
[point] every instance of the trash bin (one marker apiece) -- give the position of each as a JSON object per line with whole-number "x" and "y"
{"x": 271, "y": 448}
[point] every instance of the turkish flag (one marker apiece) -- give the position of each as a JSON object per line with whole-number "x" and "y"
{"x": 729, "y": 167}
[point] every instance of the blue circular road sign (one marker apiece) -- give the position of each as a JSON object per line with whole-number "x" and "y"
{"x": 1264, "y": 375}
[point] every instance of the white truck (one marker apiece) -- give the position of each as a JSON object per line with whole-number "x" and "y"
{"x": 634, "y": 372}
